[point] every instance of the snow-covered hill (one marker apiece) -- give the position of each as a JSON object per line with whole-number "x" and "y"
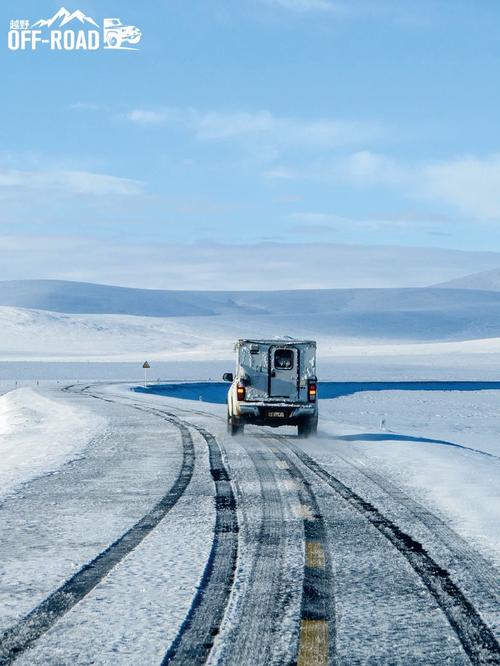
{"x": 49, "y": 321}
{"x": 349, "y": 307}
{"x": 485, "y": 280}
{"x": 333, "y": 318}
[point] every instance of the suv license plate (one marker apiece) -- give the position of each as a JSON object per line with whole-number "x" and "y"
{"x": 276, "y": 415}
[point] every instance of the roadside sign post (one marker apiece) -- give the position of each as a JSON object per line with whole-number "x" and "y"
{"x": 146, "y": 367}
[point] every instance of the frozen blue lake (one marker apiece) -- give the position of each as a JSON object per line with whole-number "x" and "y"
{"x": 216, "y": 391}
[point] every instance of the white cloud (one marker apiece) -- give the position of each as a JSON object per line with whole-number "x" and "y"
{"x": 315, "y": 218}
{"x": 367, "y": 167}
{"x": 471, "y": 184}
{"x": 280, "y": 130}
{"x": 215, "y": 126}
{"x": 358, "y": 168}
{"x": 64, "y": 182}
{"x": 249, "y": 127}
{"x": 205, "y": 266}
{"x": 144, "y": 117}
{"x": 282, "y": 173}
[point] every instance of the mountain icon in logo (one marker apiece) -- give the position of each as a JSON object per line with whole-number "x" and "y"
{"x": 64, "y": 17}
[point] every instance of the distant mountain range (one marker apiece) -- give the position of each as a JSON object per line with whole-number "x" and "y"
{"x": 485, "y": 280}
{"x": 74, "y": 321}
{"x": 377, "y": 314}
{"x": 88, "y": 298}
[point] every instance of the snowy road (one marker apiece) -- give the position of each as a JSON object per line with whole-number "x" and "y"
{"x": 165, "y": 541}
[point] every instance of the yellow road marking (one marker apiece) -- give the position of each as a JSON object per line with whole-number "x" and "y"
{"x": 313, "y": 645}
{"x": 315, "y": 555}
{"x": 282, "y": 465}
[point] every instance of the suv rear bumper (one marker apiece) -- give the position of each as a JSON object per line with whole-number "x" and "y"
{"x": 272, "y": 413}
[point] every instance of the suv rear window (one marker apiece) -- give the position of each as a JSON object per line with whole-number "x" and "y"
{"x": 283, "y": 359}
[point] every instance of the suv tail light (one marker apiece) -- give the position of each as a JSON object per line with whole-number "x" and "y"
{"x": 312, "y": 391}
{"x": 240, "y": 392}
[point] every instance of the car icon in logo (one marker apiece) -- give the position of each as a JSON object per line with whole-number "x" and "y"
{"x": 116, "y": 34}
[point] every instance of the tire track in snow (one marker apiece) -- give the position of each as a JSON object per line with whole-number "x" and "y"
{"x": 197, "y": 633}
{"x": 202, "y": 624}
{"x": 477, "y": 639}
{"x": 20, "y": 637}
{"x": 483, "y": 576}
{"x": 265, "y": 597}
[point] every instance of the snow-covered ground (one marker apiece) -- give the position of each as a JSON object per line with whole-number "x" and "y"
{"x": 443, "y": 447}
{"x": 32, "y": 335}
{"x": 439, "y": 448}
{"x": 39, "y": 434}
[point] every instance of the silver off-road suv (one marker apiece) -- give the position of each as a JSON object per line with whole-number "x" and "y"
{"x": 275, "y": 384}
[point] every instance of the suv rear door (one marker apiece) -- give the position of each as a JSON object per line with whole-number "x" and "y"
{"x": 284, "y": 372}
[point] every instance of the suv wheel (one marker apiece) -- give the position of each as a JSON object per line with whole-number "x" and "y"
{"x": 234, "y": 428}
{"x": 307, "y": 428}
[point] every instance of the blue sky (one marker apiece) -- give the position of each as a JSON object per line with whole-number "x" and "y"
{"x": 251, "y": 122}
